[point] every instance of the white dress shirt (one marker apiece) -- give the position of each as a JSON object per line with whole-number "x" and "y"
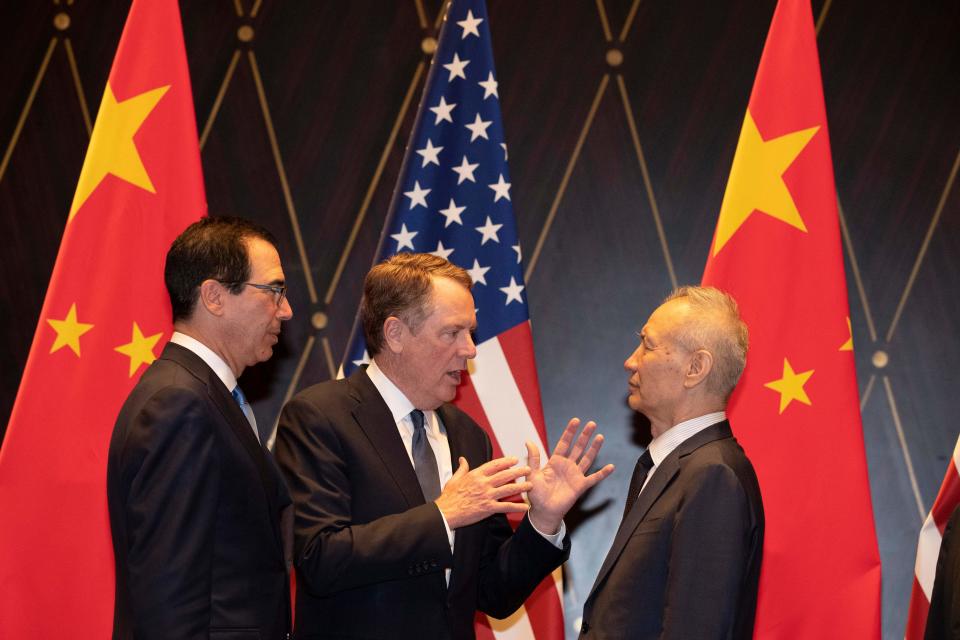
{"x": 664, "y": 444}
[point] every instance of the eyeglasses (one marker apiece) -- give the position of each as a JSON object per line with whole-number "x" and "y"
{"x": 279, "y": 291}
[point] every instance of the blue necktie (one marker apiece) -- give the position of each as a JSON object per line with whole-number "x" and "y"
{"x": 247, "y": 409}
{"x": 424, "y": 461}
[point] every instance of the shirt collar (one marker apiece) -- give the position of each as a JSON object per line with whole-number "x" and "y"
{"x": 205, "y": 353}
{"x": 664, "y": 444}
{"x": 398, "y": 403}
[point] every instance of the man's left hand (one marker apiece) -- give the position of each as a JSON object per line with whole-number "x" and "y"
{"x": 564, "y": 478}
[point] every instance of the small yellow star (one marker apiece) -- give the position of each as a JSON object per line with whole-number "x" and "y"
{"x": 790, "y": 386}
{"x": 139, "y": 349}
{"x": 848, "y": 345}
{"x": 756, "y": 180}
{"x": 112, "y": 149}
{"x": 68, "y": 331}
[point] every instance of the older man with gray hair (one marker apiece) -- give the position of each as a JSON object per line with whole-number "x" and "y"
{"x": 685, "y": 562}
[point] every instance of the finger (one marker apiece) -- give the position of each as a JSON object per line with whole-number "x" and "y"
{"x": 508, "y": 475}
{"x": 510, "y": 507}
{"x": 462, "y": 469}
{"x": 496, "y": 465}
{"x": 533, "y": 456}
{"x": 591, "y": 454}
{"x": 594, "y": 478}
{"x": 582, "y": 441}
{"x": 563, "y": 445}
{"x": 512, "y": 489}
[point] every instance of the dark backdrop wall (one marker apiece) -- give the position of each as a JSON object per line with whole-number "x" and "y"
{"x": 617, "y": 112}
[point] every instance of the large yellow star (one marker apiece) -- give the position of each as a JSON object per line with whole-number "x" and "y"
{"x": 68, "y": 331}
{"x": 139, "y": 349}
{"x": 112, "y": 149}
{"x": 790, "y": 386}
{"x": 756, "y": 180}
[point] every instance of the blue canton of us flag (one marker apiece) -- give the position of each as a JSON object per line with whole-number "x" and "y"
{"x": 453, "y": 194}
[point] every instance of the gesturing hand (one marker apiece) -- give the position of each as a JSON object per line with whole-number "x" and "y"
{"x": 470, "y": 496}
{"x": 563, "y": 479}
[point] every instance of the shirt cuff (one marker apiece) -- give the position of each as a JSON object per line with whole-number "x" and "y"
{"x": 450, "y": 532}
{"x": 555, "y": 539}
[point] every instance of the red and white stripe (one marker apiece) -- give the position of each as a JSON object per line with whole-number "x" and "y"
{"x": 502, "y": 394}
{"x": 928, "y": 548}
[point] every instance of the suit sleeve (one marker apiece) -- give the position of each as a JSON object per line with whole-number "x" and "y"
{"x": 170, "y": 465}
{"x": 513, "y": 563}
{"x": 708, "y": 559}
{"x": 331, "y": 551}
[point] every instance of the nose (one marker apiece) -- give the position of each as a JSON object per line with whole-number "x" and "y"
{"x": 469, "y": 349}
{"x": 630, "y": 364}
{"x": 284, "y": 311}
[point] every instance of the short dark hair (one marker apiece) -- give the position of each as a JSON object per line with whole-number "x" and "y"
{"x": 209, "y": 249}
{"x": 400, "y": 286}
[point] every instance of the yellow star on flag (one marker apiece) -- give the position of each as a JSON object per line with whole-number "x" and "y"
{"x": 790, "y": 386}
{"x": 756, "y": 180}
{"x": 112, "y": 149}
{"x": 68, "y": 331}
{"x": 848, "y": 345}
{"x": 139, "y": 349}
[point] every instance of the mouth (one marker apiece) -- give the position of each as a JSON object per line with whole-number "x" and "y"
{"x": 454, "y": 376}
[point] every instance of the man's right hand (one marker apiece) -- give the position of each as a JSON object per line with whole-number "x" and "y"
{"x": 471, "y": 496}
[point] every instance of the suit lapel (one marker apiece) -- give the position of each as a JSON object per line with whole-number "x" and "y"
{"x": 239, "y": 425}
{"x": 662, "y": 477}
{"x": 376, "y": 421}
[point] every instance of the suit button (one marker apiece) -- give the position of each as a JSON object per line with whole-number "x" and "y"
{"x": 585, "y": 627}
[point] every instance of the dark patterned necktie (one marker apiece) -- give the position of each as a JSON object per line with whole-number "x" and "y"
{"x": 644, "y": 464}
{"x": 424, "y": 462}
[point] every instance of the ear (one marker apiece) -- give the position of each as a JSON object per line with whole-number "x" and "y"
{"x": 394, "y": 331}
{"x": 698, "y": 368}
{"x": 213, "y": 297}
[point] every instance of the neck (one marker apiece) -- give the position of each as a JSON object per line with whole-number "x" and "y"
{"x": 688, "y": 411}
{"x": 394, "y": 370}
{"x": 211, "y": 340}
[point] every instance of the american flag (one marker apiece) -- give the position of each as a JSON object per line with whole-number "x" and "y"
{"x": 928, "y": 548}
{"x": 452, "y": 199}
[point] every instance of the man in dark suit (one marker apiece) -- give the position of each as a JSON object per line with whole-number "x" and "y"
{"x": 943, "y": 617}
{"x": 685, "y": 562}
{"x": 391, "y": 541}
{"x": 195, "y": 500}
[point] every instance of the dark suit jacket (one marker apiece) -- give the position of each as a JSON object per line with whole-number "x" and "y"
{"x": 943, "y": 617}
{"x": 370, "y": 554}
{"x": 195, "y": 506}
{"x": 685, "y": 562}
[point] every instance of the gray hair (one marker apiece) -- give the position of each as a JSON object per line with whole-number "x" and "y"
{"x": 715, "y": 325}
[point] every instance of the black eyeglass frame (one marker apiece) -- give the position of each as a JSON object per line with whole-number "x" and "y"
{"x": 278, "y": 290}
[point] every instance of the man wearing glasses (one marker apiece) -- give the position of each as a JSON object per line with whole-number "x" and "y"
{"x": 195, "y": 499}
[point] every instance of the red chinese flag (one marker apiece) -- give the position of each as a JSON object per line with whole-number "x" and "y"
{"x": 105, "y": 317}
{"x": 777, "y": 250}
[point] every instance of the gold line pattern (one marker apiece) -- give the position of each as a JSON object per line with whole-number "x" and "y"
{"x": 278, "y": 160}
{"x": 215, "y": 109}
{"x": 628, "y": 110}
{"x": 629, "y": 21}
{"x": 26, "y": 107}
{"x": 604, "y": 22}
{"x": 823, "y": 15}
{"x": 328, "y": 354}
{"x": 256, "y": 8}
{"x": 421, "y": 13}
{"x": 906, "y": 451}
{"x": 532, "y": 263}
{"x": 377, "y": 174}
{"x": 301, "y": 363}
{"x": 78, "y": 86}
{"x": 440, "y": 16}
{"x": 238, "y": 7}
{"x": 866, "y": 392}
{"x": 855, "y": 267}
{"x": 947, "y": 188}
